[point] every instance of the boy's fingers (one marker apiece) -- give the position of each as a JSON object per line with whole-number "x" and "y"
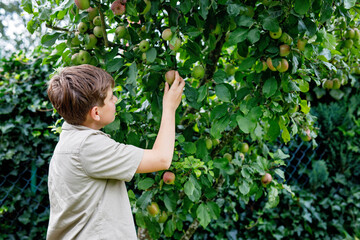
{"x": 166, "y": 87}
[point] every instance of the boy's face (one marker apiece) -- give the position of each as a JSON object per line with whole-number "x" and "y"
{"x": 107, "y": 112}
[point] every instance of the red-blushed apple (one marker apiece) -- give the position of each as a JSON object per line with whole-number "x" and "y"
{"x": 153, "y": 209}
{"x": 169, "y": 177}
{"x": 264, "y": 66}
{"x": 305, "y": 135}
{"x": 301, "y": 43}
{"x": 166, "y": 34}
{"x": 266, "y": 179}
{"x": 283, "y": 65}
{"x": 176, "y": 46}
{"x": 118, "y": 8}
{"x": 170, "y": 76}
{"x": 270, "y": 65}
{"x": 82, "y": 4}
{"x": 284, "y": 50}
{"x": 92, "y": 13}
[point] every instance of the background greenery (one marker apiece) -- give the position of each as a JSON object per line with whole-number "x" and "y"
{"x": 212, "y": 197}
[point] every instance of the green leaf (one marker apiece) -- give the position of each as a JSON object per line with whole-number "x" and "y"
{"x": 214, "y": 210}
{"x": 349, "y": 3}
{"x": 49, "y": 39}
{"x": 246, "y": 124}
{"x": 132, "y": 74}
{"x": 146, "y": 183}
{"x": 302, "y": 6}
{"x": 203, "y": 92}
{"x": 244, "y": 21}
{"x": 204, "y": 8}
{"x": 189, "y": 147}
{"x": 219, "y": 111}
{"x": 27, "y": 6}
{"x": 285, "y": 135}
{"x": 203, "y": 215}
{"x": 114, "y": 64}
{"x": 233, "y": 10}
{"x": 151, "y": 55}
{"x": 170, "y": 201}
{"x": 223, "y": 93}
{"x": 169, "y": 228}
{"x": 271, "y": 24}
{"x": 280, "y": 173}
{"x": 270, "y": 87}
{"x": 219, "y": 126}
{"x": 304, "y": 106}
{"x": 253, "y": 35}
{"x": 303, "y": 85}
{"x": 244, "y": 188}
{"x": 237, "y": 36}
{"x": 219, "y": 76}
{"x": 189, "y": 188}
{"x": 246, "y": 64}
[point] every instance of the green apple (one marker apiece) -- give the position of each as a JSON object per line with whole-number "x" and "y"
{"x": 92, "y": 13}
{"x": 327, "y": 84}
{"x": 97, "y": 21}
{"x": 228, "y": 156}
{"x": 356, "y": 35}
{"x": 215, "y": 142}
{"x": 144, "y": 45}
{"x": 98, "y": 31}
{"x": 269, "y": 64}
{"x": 153, "y": 209}
{"x": 277, "y": 34}
{"x": 82, "y": 27}
{"x": 170, "y": 76}
{"x": 230, "y": 69}
{"x": 92, "y": 42}
{"x": 82, "y": 4}
{"x": 348, "y": 43}
{"x": 283, "y": 65}
{"x": 118, "y": 8}
{"x": 75, "y": 59}
{"x": 242, "y": 156}
{"x": 350, "y": 34}
{"x": 208, "y": 143}
{"x": 167, "y": 34}
{"x": 163, "y": 217}
{"x": 336, "y": 83}
{"x": 75, "y": 40}
{"x": 169, "y": 178}
{"x": 84, "y": 57}
{"x": 284, "y": 50}
{"x": 266, "y": 179}
{"x": 301, "y": 43}
{"x": 176, "y": 46}
{"x": 244, "y": 147}
{"x": 120, "y": 32}
{"x": 198, "y": 72}
{"x": 285, "y": 38}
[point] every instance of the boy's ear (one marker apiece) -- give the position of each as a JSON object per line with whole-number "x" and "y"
{"x": 94, "y": 113}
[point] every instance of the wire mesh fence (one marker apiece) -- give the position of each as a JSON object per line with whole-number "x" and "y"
{"x": 28, "y": 187}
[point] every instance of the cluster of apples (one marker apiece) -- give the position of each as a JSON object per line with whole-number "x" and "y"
{"x": 352, "y": 35}
{"x": 284, "y": 49}
{"x": 331, "y": 83}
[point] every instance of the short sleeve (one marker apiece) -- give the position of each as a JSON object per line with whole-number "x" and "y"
{"x": 102, "y": 157}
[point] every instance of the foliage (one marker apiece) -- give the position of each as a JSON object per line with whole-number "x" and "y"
{"x": 252, "y": 105}
{"x": 27, "y": 145}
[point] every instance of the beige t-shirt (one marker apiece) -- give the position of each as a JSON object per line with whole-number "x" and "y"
{"x": 88, "y": 196}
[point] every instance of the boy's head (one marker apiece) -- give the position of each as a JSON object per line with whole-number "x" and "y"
{"x": 74, "y": 91}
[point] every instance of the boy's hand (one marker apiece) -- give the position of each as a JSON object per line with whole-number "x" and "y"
{"x": 172, "y": 95}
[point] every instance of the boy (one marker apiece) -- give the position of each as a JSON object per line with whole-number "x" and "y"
{"x": 88, "y": 170}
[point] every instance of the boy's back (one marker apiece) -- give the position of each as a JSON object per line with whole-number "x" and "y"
{"x": 86, "y": 186}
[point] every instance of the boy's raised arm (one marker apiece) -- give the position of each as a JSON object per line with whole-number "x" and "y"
{"x": 160, "y": 156}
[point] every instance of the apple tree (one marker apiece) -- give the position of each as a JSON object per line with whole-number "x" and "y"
{"x": 251, "y": 70}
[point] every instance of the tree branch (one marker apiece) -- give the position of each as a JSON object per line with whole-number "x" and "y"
{"x": 143, "y": 234}
{"x": 191, "y": 230}
{"x": 57, "y": 28}
{"x": 103, "y": 26}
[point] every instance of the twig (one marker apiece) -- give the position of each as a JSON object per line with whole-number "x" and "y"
{"x": 57, "y": 28}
